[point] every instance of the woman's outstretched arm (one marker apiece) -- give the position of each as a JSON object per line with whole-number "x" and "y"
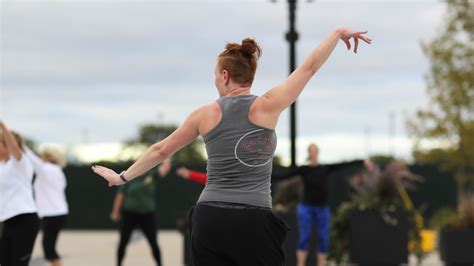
{"x": 297, "y": 171}
{"x": 156, "y": 153}
{"x": 283, "y": 95}
{"x": 115, "y": 214}
{"x": 198, "y": 177}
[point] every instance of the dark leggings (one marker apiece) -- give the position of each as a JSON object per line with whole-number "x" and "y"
{"x": 51, "y": 226}
{"x": 236, "y": 237}
{"x": 146, "y": 222}
{"x": 18, "y": 237}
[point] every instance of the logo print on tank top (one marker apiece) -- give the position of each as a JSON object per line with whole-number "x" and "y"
{"x": 255, "y": 148}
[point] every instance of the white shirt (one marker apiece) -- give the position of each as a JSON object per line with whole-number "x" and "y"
{"x": 16, "y": 191}
{"x": 49, "y": 187}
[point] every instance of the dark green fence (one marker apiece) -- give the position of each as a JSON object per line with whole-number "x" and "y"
{"x": 90, "y": 199}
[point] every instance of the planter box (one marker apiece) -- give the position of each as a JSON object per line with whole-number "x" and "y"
{"x": 374, "y": 241}
{"x": 457, "y": 246}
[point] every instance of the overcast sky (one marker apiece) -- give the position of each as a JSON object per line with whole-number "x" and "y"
{"x": 76, "y": 71}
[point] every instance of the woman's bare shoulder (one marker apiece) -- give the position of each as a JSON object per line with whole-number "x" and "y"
{"x": 209, "y": 116}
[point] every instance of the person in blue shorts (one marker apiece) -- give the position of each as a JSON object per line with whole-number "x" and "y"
{"x": 314, "y": 208}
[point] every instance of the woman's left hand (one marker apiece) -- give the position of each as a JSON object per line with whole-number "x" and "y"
{"x": 108, "y": 174}
{"x": 347, "y": 34}
{"x": 115, "y": 216}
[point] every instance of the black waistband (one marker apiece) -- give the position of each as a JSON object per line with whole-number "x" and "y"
{"x": 234, "y": 205}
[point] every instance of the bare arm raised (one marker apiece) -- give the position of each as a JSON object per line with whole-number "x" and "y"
{"x": 158, "y": 152}
{"x": 283, "y": 95}
{"x": 13, "y": 147}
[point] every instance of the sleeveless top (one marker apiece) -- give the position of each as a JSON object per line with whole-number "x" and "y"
{"x": 240, "y": 155}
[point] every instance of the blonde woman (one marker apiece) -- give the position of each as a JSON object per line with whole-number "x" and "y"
{"x": 49, "y": 187}
{"x": 17, "y": 206}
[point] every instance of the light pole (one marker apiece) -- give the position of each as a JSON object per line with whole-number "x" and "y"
{"x": 292, "y": 36}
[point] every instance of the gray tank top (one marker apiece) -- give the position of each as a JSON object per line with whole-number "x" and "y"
{"x": 240, "y": 156}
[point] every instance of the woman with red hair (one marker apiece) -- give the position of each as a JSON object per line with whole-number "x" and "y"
{"x": 233, "y": 223}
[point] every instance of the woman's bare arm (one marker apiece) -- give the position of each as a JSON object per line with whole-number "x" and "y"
{"x": 115, "y": 215}
{"x": 198, "y": 177}
{"x": 158, "y": 152}
{"x": 12, "y": 146}
{"x": 283, "y": 95}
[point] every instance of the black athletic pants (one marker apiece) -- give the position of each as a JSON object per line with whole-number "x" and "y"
{"x": 236, "y": 236}
{"x": 18, "y": 237}
{"x": 146, "y": 222}
{"x": 51, "y": 226}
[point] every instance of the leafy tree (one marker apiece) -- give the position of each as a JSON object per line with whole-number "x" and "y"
{"x": 449, "y": 117}
{"x": 382, "y": 160}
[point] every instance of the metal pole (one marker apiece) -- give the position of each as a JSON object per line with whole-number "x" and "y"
{"x": 391, "y": 132}
{"x": 292, "y": 37}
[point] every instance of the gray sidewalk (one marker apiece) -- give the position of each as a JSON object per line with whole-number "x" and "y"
{"x": 97, "y": 248}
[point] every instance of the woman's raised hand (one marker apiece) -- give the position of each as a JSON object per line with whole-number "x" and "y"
{"x": 347, "y": 34}
{"x": 108, "y": 174}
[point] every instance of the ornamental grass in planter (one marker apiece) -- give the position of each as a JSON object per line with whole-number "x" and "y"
{"x": 374, "y": 227}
